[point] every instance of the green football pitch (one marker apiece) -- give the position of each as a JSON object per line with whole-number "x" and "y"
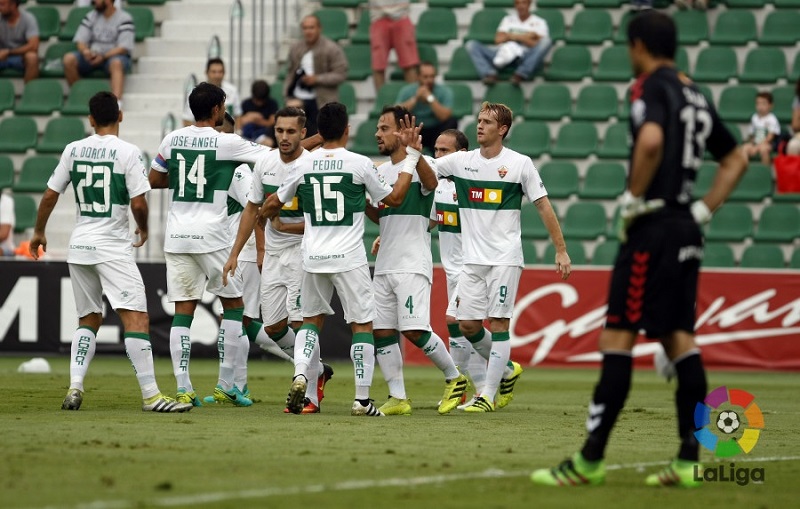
{"x": 111, "y": 455}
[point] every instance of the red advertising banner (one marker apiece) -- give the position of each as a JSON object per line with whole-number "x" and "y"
{"x": 745, "y": 319}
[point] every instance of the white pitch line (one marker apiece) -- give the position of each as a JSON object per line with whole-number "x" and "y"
{"x": 364, "y": 484}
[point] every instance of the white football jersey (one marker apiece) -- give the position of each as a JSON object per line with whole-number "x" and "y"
{"x": 449, "y": 226}
{"x": 237, "y": 201}
{"x": 405, "y": 239}
{"x": 490, "y": 193}
{"x": 331, "y": 185}
{"x": 269, "y": 173}
{"x": 105, "y": 173}
{"x": 201, "y": 163}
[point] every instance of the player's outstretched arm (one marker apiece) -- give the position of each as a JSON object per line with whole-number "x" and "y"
{"x": 295, "y": 228}
{"x": 548, "y": 215}
{"x": 46, "y": 206}
{"x": 311, "y": 142}
{"x": 246, "y": 225}
{"x": 140, "y": 211}
{"x": 409, "y": 135}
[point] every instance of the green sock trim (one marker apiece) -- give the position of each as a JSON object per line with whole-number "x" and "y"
{"x": 501, "y": 336}
{"x": 139, "y": 335}
{"x": 182, "y": 320}
{"x": 423, "y": 340}
{"x": 93, "y": 331}
{"x": 308, "y": 326}
{"x": 363, "y": 337}
{"x": 394, "y": 339}
{"x": 454, "y": 330}
{"x": 253, "y": 329}
{"x": 476, "y": 338}
{"x": 234, "y": 314}
{"x": 510, "y": 364}
{"x": 280, "y": 334}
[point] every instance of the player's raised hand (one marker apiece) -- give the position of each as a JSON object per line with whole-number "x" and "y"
{"x": 142, "y": 237}
{"x": 229, "y": 268}
{"x": 409, "y": 133}
{"x": 36, "y": 241}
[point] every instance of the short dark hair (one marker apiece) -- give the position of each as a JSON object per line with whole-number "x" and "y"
{"x": 397, "y": 111}
{"x": 766, "y": 95}
{"x": 656, "y": 31}
{"x": 260, "y": 90}
{"x": 104, "y": 109}
{"x": 462, "y": 142}
{"x": 215, "y": 60}
{"x": 292, "y": 112}
{"x": 428, "y": 62}
{"x": 204, "y": 98}
{"x": 332, "y": 121}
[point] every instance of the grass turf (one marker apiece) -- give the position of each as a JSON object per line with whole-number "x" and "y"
{"x": 112, "y": 455}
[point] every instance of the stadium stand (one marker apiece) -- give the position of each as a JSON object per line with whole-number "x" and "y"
{"x": 762, "y": 256}
{"x": 35, "y": 173}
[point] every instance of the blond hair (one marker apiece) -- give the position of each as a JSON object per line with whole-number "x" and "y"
{"x": 501, "y": 112}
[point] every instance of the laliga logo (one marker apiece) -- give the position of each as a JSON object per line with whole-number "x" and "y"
{"x": 719, "y": 419}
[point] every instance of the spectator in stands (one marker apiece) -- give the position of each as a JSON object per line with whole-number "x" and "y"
{"x": 391, "y": 28}
{"x": 19, "y": 40}
{"x": 764, "y": 129}
{"x": 215, "y": 74}
{"x": 317, "y": 65}
{"x": 793, "y": 147}
{"x": 521, "y": 37}
{"x": 105, "y": 41}
{"x": 7, "y": 222}
{"x": 258, "y": 115}
{"x": 87, "y": 3}
{"x": 431, "y": 103}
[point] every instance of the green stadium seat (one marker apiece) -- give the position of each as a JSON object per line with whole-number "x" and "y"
{"x": 615, "y": 142}
{"x": 48, "y": 20}
{"x": 779, "y": 222}
{"x": 734, "y": 28}
{"x": 364, "y": 142}
{"x": 462, "y": 99}
{"x": 604, "y": 181}
{"x": 782, "y": 102}
{"x": 387, "y": 96}
{"x": 549, "y": 101}
{"x": 529, "y": 254}
{"x": 575, "y": 140}
{"x": 560, "y": 178}
{"x": 795, "y": 69}
{"x": 531, "y": 222}
{"x": 7, "y": 95}
{"x": 692, "y": 26}
{"x": 682, "y": 60}
{"x": 625, "y": 107}
{"x": 596, "y": 102}
{"x": 41, "y": 97}
{"x": 603, "y": 4}
{"x": 471, "y": 132}
{"x": 745, "y": 4}
{"x": 461, "y": 67}
{"x": 79, "y": 95}
{"x": 342, "y": 3}
{"x": 529, "y": 138}
{"x": 359, "y": 59}
{"x": 704, "y": 179}
{"x": 780, "y": 29}
{"x": 731, "y": 222}
{"x": 794, "y": 263}
{"x": 437, "y": 26}
{"x": 6, "y": 172}
{"x": 737, "y": 103}
{"x": 569, "y": 63}
{"x": 614, "y": 65}
{"x": 786, "y": 4}
{"x": 764, "y": 65}
{"x": 621, "y": 35}
{"x": 611, "y": 230}
{"x": 25, "y": 210}
{"x": 35, "y": 173}
{"x": 52, "y": 63}
{"x": 762, "y": 256}
{"x": 575, "y": 250}
{"x": 17, "y": 134}
{"x": 371, "y": 229}
{"x": 73, "y": 21}
{"x": 706, "y": 91}
{"x": 591, "y": 26}
{"x": 450, "y": 4}
{"x": 606, "y": 252}
{"x": 59, "y": 132}
{"x": 361, "y": 34}
{"x": 483, "y": 25}
{"x": 334, "y": 23}
{"x": 718, "y": 254}
{"x": 427, "y": 53}
{"x": 715, "y": 64}
{"x": 555, "y": 22}
{"x": 56, "y": 2}
{"x": 146, "y": 2}
{"x": 143, "y": 21}
{"x": 556, "y": 4}
{"x": 755, "y": 185}
{"x": 347, "y": 96}
{"x": 508, "y": 94}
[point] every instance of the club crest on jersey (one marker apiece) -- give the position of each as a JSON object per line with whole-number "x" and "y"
{"x": 502, "y": 171}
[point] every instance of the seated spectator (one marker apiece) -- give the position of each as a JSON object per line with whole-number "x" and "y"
{"x": 764, "y": 129}
{"x": 7, "y": 222}
{"x": 87, "y": 3}
{"x": 105, "y": 40}
{"x": 391, "y": 28}
{"x": 521, "y": 37}
{"x": 793, "y": 147}
{"x": 258, "y": 115}
{"x": 19, "y": 40}
{"x": 431, "y": 103}
{"x": 317, "y": 66}
{"x": 215, "y": 74}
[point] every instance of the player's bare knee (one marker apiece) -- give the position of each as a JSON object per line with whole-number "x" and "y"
{"x": 470, "y": 328}
{"x": 134, "y": 321}
{"x": 92, "y": 320}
